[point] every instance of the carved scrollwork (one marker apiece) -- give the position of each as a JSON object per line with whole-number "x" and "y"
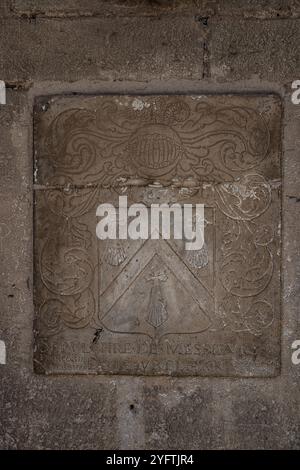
{"x": 157, "y": 137}
{"x": 68, "y": 201}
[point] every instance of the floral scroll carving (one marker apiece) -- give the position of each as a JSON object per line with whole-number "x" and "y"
{"x": 156, "y": 300}
{"x": 167, "y": 138}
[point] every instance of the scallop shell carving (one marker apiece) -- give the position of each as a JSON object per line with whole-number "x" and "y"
{"x": 114, "y": 255}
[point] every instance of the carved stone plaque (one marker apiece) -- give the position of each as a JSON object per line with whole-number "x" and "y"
{"x": 150, "y": 307}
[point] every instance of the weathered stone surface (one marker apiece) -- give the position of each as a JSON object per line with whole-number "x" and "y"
{"x": 93, "y": 48}
{"x": 5, "y": 9}
{"x": 268, "y": 50}
{"x": 71, "y": 8}
{"x": 15, "y": 228}
{"x": 291, "y": 236}
{"x": 219, "y": 306}
{"x": 291, "y": 293}
{"x": 40, "y": 413}
{"x": 291, "y": 145}
{"x": 277, "y": 428}
{"x": 15, "y": 134}
{"x": 235, "y": 414}
{"x": 126, "y": 412}
{"x": 16, "y": 279}
{"x": 107, "y": 141}
{"x": 35, "y": 409}
{"x": 169, "y": 410}
{"x": 260, "y": 9}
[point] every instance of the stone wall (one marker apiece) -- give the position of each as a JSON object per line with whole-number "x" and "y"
{"x": 140, "y": 47}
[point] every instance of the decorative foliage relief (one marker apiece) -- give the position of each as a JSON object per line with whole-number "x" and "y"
{"x": 153, "y": 299}
{"x": 156, "y": 138}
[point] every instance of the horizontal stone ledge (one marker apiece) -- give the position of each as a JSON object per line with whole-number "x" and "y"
{"x": 105, "y": 49}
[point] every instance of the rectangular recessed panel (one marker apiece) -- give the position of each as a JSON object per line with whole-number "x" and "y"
{"x": 150, "y": 306}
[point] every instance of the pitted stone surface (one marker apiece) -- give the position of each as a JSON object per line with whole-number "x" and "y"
{"x": 149, "y": 307}
{"x": 100, "y": 49}
{"x": 249, "y": 50}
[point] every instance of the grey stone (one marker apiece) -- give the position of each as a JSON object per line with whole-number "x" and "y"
{"x": 15, "y": 131}
{"x": 15, "y": 227}
{"x": 5, "y": 9}
{"x": 291, "y": 145}
{"x": 98, "y": 140}
{"x": 291, "y": 235}
{"x": 93, "y": 48}
{"x": 172, "y": 417}
{"x": 70, "y": 8}
{"x": 249, "y": 49}
{"x": 261, "y": 423}
{"x": 260, "y": 9}
{"x": 149, "y": 307}
{"x": 52, "y": 414}
{"x": 16, "y": 279}
{"x": 243, "y": 46}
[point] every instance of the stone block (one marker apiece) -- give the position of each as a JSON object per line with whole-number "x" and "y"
{"x": 100, "y": 49}
{"x": 71, "y": 8}
{"x": 150, "y": 307}
{"x": 15, "y": 132}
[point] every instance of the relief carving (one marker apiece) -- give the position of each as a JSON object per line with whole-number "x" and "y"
{"x": 157, "y": 306}
{"x": 159, "y": 138}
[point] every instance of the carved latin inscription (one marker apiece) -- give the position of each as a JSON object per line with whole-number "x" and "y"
{"x": 150, "y": 307}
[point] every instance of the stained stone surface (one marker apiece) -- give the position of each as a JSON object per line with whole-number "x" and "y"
{"x": 54, "y": 52}
{"x": 149, "y": 307}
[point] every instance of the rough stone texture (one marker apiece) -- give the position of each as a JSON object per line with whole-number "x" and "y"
{"x": 125, "y": 411}
{"x": 90, "y": 48}
{"x": 165, "y": 417}
{"x": 5, "y": 9}
{"x": 15, "y": 225}
{"x": 252, "y": 49}
{"x": 51, "y": 414}
{"x": 99, "y": 140}
{"x": 109, "y": 7}
{"x": 291, "y": 147}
